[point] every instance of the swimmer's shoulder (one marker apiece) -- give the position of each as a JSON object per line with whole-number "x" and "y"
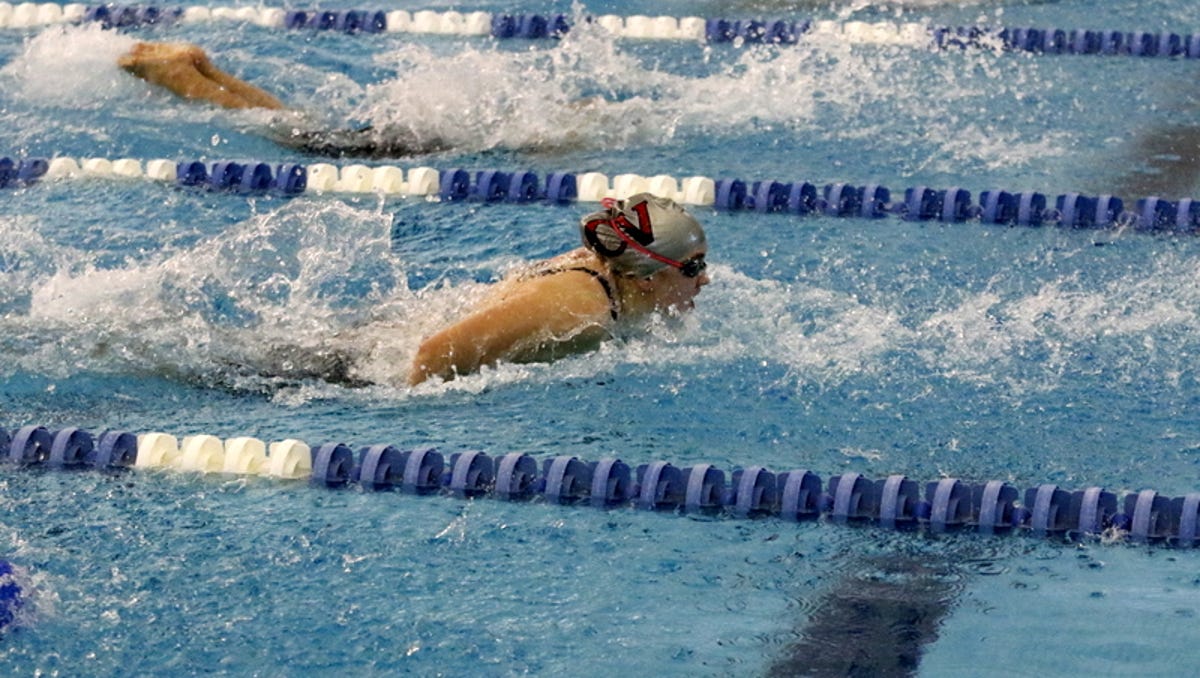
{"x": 578, "y": 280}
{"x": 572, "y": 259}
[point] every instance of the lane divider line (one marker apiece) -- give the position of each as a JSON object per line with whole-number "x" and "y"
{"x": 736, "y": 32}
{"x": 844, "y": 200}
{"x": 895, "y": 502}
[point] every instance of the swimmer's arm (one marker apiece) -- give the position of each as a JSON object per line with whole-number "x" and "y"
{"x": 186, "y": 71}
{"x": 557, "y": 306}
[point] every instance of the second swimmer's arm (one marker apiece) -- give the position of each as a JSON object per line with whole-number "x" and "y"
{"x": 186, "y": 70}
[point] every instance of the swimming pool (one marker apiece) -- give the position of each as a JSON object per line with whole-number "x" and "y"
{"x": 1029, "y": 355}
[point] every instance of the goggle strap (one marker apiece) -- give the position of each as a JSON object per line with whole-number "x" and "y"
{"x": 640, "y": 248}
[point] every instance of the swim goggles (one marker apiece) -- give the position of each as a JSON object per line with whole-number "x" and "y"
{"x": 692, "y": 267}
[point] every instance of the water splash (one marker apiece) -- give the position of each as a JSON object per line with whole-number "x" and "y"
{"x": 285, "y": 278}
{"x": 71, "y": 66}
{"x": 591, "y": 92}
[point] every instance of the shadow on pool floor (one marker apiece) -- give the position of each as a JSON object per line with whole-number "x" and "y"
{"x": 875, "y": 622}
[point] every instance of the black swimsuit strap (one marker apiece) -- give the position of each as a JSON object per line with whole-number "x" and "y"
{"x": 613, "y": 307}
{"x": 608, "y": 290}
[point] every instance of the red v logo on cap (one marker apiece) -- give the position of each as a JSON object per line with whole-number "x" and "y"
{"x": 643, "y": 233}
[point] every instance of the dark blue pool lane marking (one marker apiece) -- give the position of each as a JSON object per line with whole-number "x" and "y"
{"x": 719, "y": 30}
{"x": 877, "y": 619}
{"x": 896, "y": 502}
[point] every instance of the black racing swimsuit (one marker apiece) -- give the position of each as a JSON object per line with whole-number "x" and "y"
{"x": 365, "y": 142}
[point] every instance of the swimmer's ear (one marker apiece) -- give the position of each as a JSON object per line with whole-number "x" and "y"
{"x": 644, "y": 285}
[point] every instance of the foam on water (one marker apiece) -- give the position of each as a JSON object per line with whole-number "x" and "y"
{"x": 71, "y": 66}
{"x": 589, "y": 93}
{"x": 1123, "y": 324}
{"x": 285, "y": 276}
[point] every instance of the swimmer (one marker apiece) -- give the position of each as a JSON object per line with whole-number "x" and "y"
{"x": 186, "y": 71}
{"x": 641, "y": 256}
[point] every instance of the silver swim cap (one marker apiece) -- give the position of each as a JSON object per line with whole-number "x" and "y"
{"x": 654, "y": 232}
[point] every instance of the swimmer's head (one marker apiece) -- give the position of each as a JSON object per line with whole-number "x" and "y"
{"x": 642, "y": 234}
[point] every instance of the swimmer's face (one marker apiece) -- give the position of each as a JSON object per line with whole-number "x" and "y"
{"x": 674, "y": 289}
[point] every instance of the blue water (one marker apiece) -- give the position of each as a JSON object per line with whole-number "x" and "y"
{"x": 1025, "y": 355}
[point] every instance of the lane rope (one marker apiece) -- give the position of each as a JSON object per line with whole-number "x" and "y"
{"x": 737, "y": 32}
{"x": 844, "y": 200}
{"x": 897, "y": 502}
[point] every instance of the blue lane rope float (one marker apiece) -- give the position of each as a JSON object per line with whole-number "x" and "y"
{"x": 863, "y": 201}
{"x": 896, "y": 502}
{"x": 536, "y": 26}
{"x": 130, "y": 16}
{"x": 12, "y": 596}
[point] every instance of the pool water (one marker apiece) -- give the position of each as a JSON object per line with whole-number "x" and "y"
{"x": 1029, "y": 355}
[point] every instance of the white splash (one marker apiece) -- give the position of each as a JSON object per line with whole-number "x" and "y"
{"x": 72, "y": 66}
